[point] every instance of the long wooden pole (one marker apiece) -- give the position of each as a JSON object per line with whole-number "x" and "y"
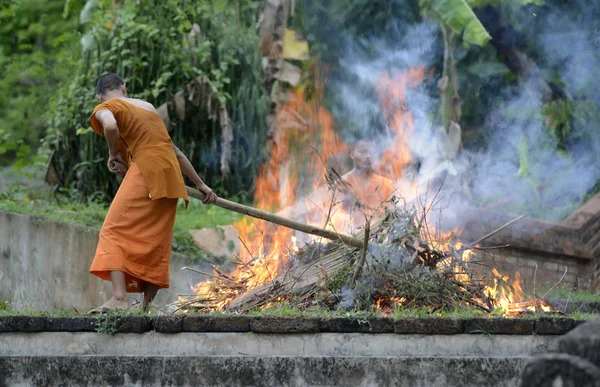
{"x": 277, "y": 219}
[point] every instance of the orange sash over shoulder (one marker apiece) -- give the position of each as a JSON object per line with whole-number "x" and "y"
{"x": 147, "y": 140}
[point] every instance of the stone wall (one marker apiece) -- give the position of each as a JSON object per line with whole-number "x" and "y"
{"x": 543, "y": 269}
{"x": 45, "y": 266}
{"x": 567, "y": 252}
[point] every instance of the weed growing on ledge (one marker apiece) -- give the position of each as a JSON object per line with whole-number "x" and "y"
{"x": 107, "y": 323}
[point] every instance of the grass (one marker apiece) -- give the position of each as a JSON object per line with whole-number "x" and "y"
{"x": 287, "y": 310}
{"x": 573, "y": 295}
{"x": 92, "y": 214}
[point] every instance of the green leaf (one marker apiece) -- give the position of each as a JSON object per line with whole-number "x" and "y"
{"x": 485, "y": 69}
{"x": 459, "y": 17}
{"x": 87, "y": 11}
{"x": 495, "y": 3}
{"x": 219, "y": 5}
{"x": 82, "y": 131}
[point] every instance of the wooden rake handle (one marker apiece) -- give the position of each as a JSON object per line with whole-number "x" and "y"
{"x": 277, "y": 219}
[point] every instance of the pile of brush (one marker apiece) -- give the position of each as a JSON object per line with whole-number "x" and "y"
{"x": 401, "y": 265}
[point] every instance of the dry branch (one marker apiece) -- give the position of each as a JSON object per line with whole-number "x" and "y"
{"x": 363, "y": 255}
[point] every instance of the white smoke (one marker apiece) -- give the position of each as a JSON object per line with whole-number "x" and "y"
{"x": 520, "y": 170}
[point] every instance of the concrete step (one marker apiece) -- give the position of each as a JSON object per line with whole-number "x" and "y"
{"x": 152, "y": 370}
{"x": 266, "y": 359}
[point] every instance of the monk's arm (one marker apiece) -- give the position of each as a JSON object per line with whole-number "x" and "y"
{"x": 111, "y": 130}
{"x": 189, "y": 171}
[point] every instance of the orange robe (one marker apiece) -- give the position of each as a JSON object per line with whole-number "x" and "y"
{"x": 137, "y": 233}
{"x": 371, "y": 192}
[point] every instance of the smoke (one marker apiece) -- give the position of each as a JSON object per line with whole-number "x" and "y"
{"x": 359, "y": 103}
{"x": 519, "y": 168}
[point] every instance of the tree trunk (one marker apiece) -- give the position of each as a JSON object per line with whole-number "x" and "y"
{"x": 450, "y": 105}
{"x": 273, "y": 21}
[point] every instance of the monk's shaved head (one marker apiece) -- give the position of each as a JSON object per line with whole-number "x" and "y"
{"x": 363, "y": 153}
{"x": 363, "y": 144}
{"x": 109, "y": 82}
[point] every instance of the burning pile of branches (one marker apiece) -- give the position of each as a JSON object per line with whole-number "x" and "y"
{"x": 400, "y": 266}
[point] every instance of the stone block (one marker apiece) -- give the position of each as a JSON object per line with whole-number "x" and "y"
{"x": 134, "y": 324}
{"x": 554, "y": 325}
{"x": 429, "y": 326}
{"x": 376, "y": 325}
{"x": 218, "y": 241}
{"x": 351, "y": 325}
{"x": 526, "y": 273}
{"x": 500, "y": 326}
{"x": 284, "y": 325}
{"x": 338, "y": 324}
{"x": 550, "y": 266}
{"x": 22, "y": 324}
{"x": 558, "y": 369}
{"x": 168, "y": 324}
{"x": 216, "y": 324}
{"x": 70, "y": 324}
{"x": 583, "y": 341}
{"x": 570, "y": 279}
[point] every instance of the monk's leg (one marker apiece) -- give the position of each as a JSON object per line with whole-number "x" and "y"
{"x": 150, "y": 291}
{"x": 119, "y": 298}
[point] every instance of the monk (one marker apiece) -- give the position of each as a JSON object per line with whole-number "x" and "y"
{"x": 136, "y": 237}
{"x": 364, "y": 192}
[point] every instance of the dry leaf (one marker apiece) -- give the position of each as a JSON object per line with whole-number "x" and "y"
{"x": 294, "y": 47}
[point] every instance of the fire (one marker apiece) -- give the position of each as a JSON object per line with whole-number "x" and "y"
{"x": 392, "y": 92}
{"x": 300, "y": 179}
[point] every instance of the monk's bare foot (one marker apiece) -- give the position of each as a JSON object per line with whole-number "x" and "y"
{"x": 117, "y": 304}
{"x": 112, "y": 304}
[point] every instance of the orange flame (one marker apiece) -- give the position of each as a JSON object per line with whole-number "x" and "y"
{"x": 304, "y": 144}
{"x": 392, "y": 92}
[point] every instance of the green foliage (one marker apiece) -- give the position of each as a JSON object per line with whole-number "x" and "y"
{"x": 459, "y": 17}
{"x": 495, "y": 3}
{"x": 4, "y": 306}
{"x": 150, "y": 44}
{"x": 106, "y": 323}
{"x": 329, "y": 25}
{"x": 340, "y": 278}
{"x": 36, "y": 52}
{"x": 558, "y": 119}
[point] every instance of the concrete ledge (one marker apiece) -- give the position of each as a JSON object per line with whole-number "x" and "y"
{"x": 288, "y": 325}
{"x": 250, "y": 344}
{"x": 259, "y": 371}
{"x": 44, "y": 266}
{"x": 501, "y": 326}
{"x": 343, "y": 324}
{"x": 216, "y": 324}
